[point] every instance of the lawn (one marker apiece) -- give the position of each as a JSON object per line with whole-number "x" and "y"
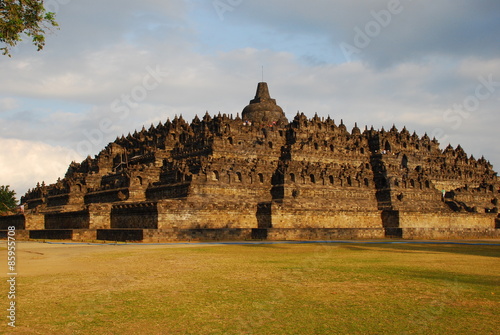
{"x": 255, "y": 289}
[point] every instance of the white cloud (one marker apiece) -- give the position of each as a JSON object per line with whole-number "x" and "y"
{"x": 473, "y": 67}
{"x": 7, "y": 104}
{"x": 24, "y": 163}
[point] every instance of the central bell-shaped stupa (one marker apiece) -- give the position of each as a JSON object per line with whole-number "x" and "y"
{"x": 264, "y": 110}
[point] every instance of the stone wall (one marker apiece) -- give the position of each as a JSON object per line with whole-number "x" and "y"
{"x": 138, "y": 215}
{"x": 415, "y": 225}
{"x": 123, "y": 235}
{"x": 51, "y": 234}
{"x": 100, "y": 216}
{"x": 67, "y": 220}
{"x": 479, "y": 199}
{"x": 280, "y": 234}
{"x": 224, "y": 234}
{"x": 35, "y": 221}
{"x": 238, "y": 234}
{"x": 446, "y": 220}
{"x": 17, "y": 221}
{"x": 341, "y": 198}
{"x": 112, "y": 195}
{"x": 58, "y": 200}
{"x": 449, "y": 233}
{"x": 206, "y": 215}
{"x": 284, "y": 216}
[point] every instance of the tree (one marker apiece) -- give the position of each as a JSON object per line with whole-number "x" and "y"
{"x": 27, "y": 17}
{"x": 8, "y": 200}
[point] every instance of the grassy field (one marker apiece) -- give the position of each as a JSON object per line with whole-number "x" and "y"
{"x": 255, "y": 289}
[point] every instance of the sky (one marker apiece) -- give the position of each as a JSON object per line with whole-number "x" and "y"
{"x": 113, "y": 67}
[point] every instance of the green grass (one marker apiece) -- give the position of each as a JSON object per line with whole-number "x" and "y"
{"x": 265, "y": 289}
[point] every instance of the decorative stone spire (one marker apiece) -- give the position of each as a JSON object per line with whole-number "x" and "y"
{"x": 263, "y": 109}
{"x": 355, "y": 130}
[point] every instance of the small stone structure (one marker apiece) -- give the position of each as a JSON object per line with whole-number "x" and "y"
{"x": 260, "y": 176}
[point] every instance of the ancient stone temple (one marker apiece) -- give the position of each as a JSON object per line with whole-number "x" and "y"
{"x": 261, "y": 176}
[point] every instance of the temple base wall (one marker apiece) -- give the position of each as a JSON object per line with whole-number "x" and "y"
{"x": 35, "y": 221}
{"x": 283, "y": 234}
{"x": 18, "y": 221}
{"x": 177, "y": 235}
{"x": 447, "y": 220}
{"x": 100, "y": 216}
{"x": 283, "y": 217}
{"x": 405, "y": 219}
{"x": 67, "y": 220}
{"x": 414, "y": 225}
{"x": 174, "y": 220}
{"x": 137, "y": 215}
{"x": 204, "y": 215}
{"x": 442, "y": 233}
{"x": 238, "y": 234}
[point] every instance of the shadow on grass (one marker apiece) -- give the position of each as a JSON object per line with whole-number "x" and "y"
{"x": 449, "y": 277}
{"x": 266, "y": 245}
{"x": 473, "y": 250}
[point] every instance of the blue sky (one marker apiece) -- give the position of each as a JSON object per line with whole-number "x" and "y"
{"x": 114, "y": 66}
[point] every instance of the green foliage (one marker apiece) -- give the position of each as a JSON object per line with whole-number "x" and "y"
{"x": 8, "y": 200}
{"x": 27, "y": 17}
